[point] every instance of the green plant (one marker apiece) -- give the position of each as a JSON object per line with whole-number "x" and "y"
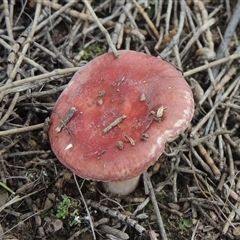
{"x": 68, "y": 209}
{"x": 91, "y": 51}
{"x": 185, "y": 223}
{"x": 160, "y": 197}
{"x": 130, "y": 208}
{"x": 6, "y": 188}
{"x": 149, "y": 206}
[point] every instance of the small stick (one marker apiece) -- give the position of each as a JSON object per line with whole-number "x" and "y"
{"x": 66, "y": 119}
{"x": 211, "y": 64}
{"x": 231, "y": 193}
{"x": 84, "y": 17}
{"x": 196, "y": 35}
{"x": 10, "y": 108}
{"x": 223, "y": 81}
{"x": 166, "y": 39}
{"x": 21, "y": 130}
{"x": 168, "y": 15}
{"x": 85, "y": 205}
{"x": 115, "y": 232}
{"x": 129, "y": 139}
{"x": 160, "y": 39}
{"x": 180, "y": 27}
{"x": 204, "y": 17}
{"x": 119, "y": 25}
{"x": 184, "y": 170}
{"x": 102, "y": 28}
{"x": 145, "y": 16}
{"x": 174, "y": 179}
{"x": 171, "y": 210}
{"x": 229, "y": 220}
{"x": 114, "y": 124}
{"x": 95, "y": 224}
{"x": 7, "y": 19}
{"x": 6, "y": 188}
{"x": 15, "y": 50}
{"x": 232, "y": 174}
{"x": 222, "y": 181}
{"x": 223, "y": 97}
{"x": 209, "y": 161}
{"x": 195, "y": 230}
{"x": 59, "y": 55}
{"x": 54, "y": 73}
{"x": 25, "y": 48}
{"x": 209, "y": 219}
{"x": 118, "y": 215}
{"x": 205, "y": 166}
{"x": 141, "y": 206}
{"x": 156, "y": 208}
{"x": 228, "y": 34}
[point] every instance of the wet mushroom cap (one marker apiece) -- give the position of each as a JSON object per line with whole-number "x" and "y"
{"x": 114, "y": 117}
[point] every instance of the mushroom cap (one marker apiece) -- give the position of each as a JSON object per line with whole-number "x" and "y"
{"x": 145, "y": 101}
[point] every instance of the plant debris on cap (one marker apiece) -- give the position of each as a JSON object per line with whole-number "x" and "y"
{"x": 145, "y": 102}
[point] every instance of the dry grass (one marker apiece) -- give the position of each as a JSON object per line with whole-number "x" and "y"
{"x": 195, "y": 192}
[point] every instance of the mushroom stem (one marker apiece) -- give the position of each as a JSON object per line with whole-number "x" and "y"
{"x": 122, "y": 188}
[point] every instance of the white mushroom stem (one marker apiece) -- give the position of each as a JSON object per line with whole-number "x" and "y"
{"x": 121, "y": 188}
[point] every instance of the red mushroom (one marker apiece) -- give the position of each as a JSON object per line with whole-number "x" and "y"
{"x": 113, "y": 119}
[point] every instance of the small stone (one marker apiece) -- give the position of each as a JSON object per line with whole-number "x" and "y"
{"x": 120, "y": 145}
{"x": 100, "y": 102}
{"x": 142, "y": 97}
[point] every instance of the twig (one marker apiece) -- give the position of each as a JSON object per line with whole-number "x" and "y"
{"x": 52, "y": 17}
{"x": 210, "y": 220}
{"x": 95, "y": 224}
{"x": 86, "y": 207}
{"x": 25, "y": 59}
{"x": 168, "y": 15}
{"x": 114, "y": 123}
{"x": 195, "y": 230}
{"x": 230, "y": 219}
{"x": 174, "y": 179}
{"x": 10, "y": 109}
{"x": 59, "y": 55}
{"x": 115, "y": 232}
{"x": 54, "y": 73}
{"x": 228, "y": 35}
{"x": 223, "y": 97}
{"x": 156, "y": 208}
{"x": 119, "y": 25}
{"x": 27, "y": 44}
{"x": 21, "y": 130}
{"x": 102, "y": 28}
{"x": 118, "y": 215}
{"x": 17, "y": 198}
{"x": 231, "y": 166}
{"x": 232, "y": 71}
{"x": 145, "y": 16}
{"x": 209, "y": 160}
{"x": 195, "y": 37}
{"x": 211, "y": 64}
{"x": 176, "y": 38}
{"x": 7, "y": 19}
{"x": 66, "y": 119}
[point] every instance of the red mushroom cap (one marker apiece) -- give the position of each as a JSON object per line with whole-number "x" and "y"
{"x": 113, "y": 119}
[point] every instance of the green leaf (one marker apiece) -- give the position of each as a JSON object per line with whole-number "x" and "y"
{"x": 187, "y": 223}
{"x": 6, "y": 187}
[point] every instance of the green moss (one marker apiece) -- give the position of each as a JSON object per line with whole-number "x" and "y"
{"x": 159, "y": 197}
{"x": 185, "y": 223}
{"x": 92, "y": 51}
{"x": 68, "y": 209}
